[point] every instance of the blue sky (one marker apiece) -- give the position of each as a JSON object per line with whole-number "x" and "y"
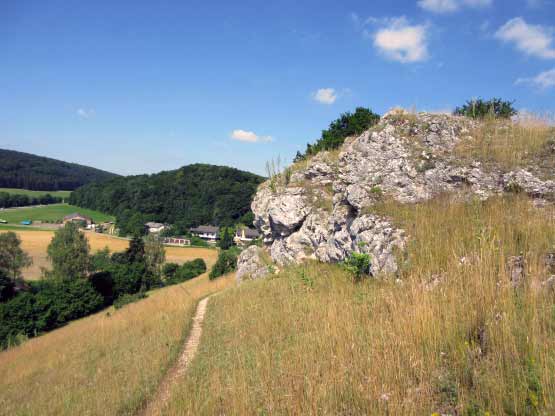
{"x": 143, "y": 86}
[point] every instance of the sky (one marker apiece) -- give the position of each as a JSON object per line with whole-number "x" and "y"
{"x": 138, "y": 86}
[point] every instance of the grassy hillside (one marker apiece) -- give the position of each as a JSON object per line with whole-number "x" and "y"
{"x": 193, "y": 195}
{"x": 26, "y": 171}
{"x": 452, "y": 336}
{"x": 50, "y": 213}
{"x": 14, "y": 191}
{"x": 105, "y": 364}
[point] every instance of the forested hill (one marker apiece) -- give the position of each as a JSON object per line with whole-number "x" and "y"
{"x": 27, "y": 171}
{"x": 192, "y": 195}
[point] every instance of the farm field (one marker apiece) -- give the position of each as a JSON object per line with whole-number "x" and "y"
{"x": 52, "y": 213}
{"x": 14, "y": 191}
{"x": 35, "y": 244}
{"x": 109, "y": 363}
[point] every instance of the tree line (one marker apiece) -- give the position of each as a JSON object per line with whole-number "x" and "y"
{"x": 187, "y": 197}
{"x": 8, "y": 200}
{"x": 26, "y": 171}
{"x": 79, "y": 283}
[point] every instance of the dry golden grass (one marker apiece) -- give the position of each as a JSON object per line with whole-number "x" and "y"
{"x": 35, "y": 244}
{"x": 312, "y": 342}
{"x": 511, "y": 145}
{"x": 105, "y": 364}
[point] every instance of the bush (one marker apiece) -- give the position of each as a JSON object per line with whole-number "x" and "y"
{"x": 187, "y": 271}
{"x": 348, "y": 124}
{"x": 226, "y": 263}
{"x": 199, "y": 242}
{"x": 358, "y": 264}
{"x": 169, "y": 270}
{"x": 495, "y": 108}
{"x": 51, "y": 305}
{"x": 127, "y": 299}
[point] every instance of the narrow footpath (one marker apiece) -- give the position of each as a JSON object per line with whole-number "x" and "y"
{"x": 156, "y": 406}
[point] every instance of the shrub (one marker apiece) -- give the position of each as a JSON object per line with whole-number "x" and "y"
{"x": 127, "y": 299}
{"x": 348, "y": 124}
{"x": 169, "y": 270}
{"x": 226, "y": 263}
{"x": 53, "y": 304}
{"x": 199, "y": 242}
{"x": 187, "y": 271}
{"x": 495, "y": 108}
{"x": 358, "y": 264}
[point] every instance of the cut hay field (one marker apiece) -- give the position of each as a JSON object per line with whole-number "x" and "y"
{"x": 109, "y": 363}
{"x": 50, "y": 213}
{"x": 35, "y": 244}
{"x": 14, "y": 191}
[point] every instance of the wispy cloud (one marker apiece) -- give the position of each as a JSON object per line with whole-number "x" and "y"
{"x": 543, "y": 80}
{"x": 451, "y": 6}
{"x": 85, "y": 113}
{"x": 325, "y": 96}
{"x": 249, "y": 136}
{"x": 534, "y": 40}
{"x": 400, "y": 41}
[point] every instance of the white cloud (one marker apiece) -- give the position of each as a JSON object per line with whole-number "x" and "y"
{"x": 249, "y": 136}
{"x": 325, "y": 96}
{"x": 543, "y": 80}
{"x": 450, "y": 6}
{"x": 402, "y": 42}
{"x": 535, "y": 40}
{"x": 85, "y": 113}
{"x": 439, "y": 6}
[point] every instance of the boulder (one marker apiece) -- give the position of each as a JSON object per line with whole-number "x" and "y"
{"x": 250, "y": 264}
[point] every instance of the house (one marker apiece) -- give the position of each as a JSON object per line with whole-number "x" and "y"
{"x": 154, "y": 227}
{"x": 206, "y": 232}
{"x": 176, "y": 241}
{"x": 79, "y": 219}
{"x": 245, "y": 235}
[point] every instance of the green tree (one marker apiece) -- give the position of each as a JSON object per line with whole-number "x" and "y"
{"x": 226, "y": 239}
{"x": 7, "y": 287}
{"x": 226, "y": 263}
{"x": 12, "y": 257}
{"x": 348, "y": 124}
{"x": 155, "y": 254}
{"x": 69, "y": 253}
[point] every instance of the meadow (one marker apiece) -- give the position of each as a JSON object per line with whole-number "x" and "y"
{"x": 50, "y": 213}
{"x": 13, "y": 191}
{"x": 36, "y": 242}
{"x": 448, "y": 335}
{"x": 109, "y": 363}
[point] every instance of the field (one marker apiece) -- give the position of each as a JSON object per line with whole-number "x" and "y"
{"x": 451, "y": 336}
{"x": 35, "y": 244}
{"x": 109, "y": 363}
{"x": 13, "y": 191}
{"x": 50, "y": 213}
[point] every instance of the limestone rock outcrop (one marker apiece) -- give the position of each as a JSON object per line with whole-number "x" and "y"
{"x": 323, "y": 209}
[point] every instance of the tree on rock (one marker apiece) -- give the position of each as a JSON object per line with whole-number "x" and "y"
{"x": 69, "y": 253}
{"x": 155, "y": 255}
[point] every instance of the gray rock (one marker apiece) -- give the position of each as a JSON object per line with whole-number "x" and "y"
{"x": 406, "y": 158}
{"x": 250, "y": 264}
{"x": 515, "y": 267}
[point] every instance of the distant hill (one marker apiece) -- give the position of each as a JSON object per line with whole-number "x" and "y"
{"x": 192, "y": 195}
{"x": 27, "y": 171}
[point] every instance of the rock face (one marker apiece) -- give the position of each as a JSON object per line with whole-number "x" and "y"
{"x": 250, "y": 264}
{"x": 324, "y": 210}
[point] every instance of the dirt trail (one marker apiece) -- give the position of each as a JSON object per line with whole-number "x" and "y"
{"x": 159, "y": 401}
